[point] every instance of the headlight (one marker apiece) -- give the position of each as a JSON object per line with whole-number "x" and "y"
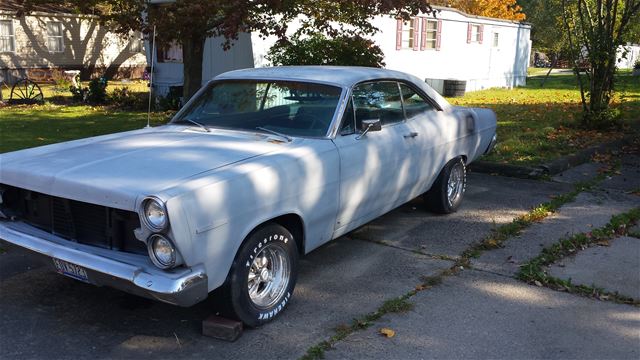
{"x": 154, "y": 214}
{"x": 161, "y": 251}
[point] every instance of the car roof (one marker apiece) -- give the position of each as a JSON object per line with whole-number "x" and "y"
{"x": 339, "y": 75}
{"x": 343, "y": 76}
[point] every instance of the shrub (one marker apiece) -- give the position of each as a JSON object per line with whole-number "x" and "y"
{"x": 172, "y": 101}
{"x": 319, "y": 49}
{"x": 60, "y": 82}
{"x": 123, "y": 98}
{"x": 636, "y": 66}
{"x": 96, "y": 93}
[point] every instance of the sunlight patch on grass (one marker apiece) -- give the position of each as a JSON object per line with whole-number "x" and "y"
{"x": 536, "y": 125}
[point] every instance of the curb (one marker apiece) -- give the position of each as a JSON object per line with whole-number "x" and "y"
{"x": 551, "y": 168}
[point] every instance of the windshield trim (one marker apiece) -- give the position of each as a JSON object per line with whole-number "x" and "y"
{"x": 330, "y": 134}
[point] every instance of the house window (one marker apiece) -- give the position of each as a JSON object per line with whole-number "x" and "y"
{"x": 171, "y": 53}
{"x": 55, "y": 40}
{"x": 474, "y": 33}
{"x": 408, "y": 31}
{"x": 7, "y": 37}
{"x": 136, "y": 44}
{"x": 496, "y": 39}
{"x": 431, "y": 34}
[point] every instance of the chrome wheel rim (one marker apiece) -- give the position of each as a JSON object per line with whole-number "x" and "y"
{"x": 269, "y": 275}
{"x": 455, "y": 185}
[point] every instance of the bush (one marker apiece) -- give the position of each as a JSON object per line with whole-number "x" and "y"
{"x": 636, "y": 66}
{"x": 125, "y": 99}
{"x": 318, "y": 49}
{"x": 60, "y": 82}
{"x": 172, "y": 101}
{"x": 96, "y": 93}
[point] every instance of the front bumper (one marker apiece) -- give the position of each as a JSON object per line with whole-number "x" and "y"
{"x": 127, "y": 272}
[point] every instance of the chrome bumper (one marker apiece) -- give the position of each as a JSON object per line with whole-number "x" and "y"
{"x": 492, "y": 145}
{"x": 126, "y": 272}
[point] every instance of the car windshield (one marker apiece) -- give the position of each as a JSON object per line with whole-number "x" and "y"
{"x": 279, "y": 107}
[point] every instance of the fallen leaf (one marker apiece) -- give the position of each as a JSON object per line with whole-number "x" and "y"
{"x": 538, "y": 283}
{"x": 387, "y": 332}
{"x": 603, "y": 243}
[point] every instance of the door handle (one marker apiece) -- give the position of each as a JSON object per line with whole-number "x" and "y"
{"x": 410, "y": 135}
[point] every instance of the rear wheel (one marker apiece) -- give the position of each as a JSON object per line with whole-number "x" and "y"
{"x": 263, "y": 275}
{"x": 445, "y": 196}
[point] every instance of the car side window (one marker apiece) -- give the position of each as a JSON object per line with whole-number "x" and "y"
{"x": 414, "y": 103}
{"x": 378, "y": 100}
{"x": 348, "y": 124}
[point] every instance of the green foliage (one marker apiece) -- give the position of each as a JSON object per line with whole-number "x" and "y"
{"x": 636, "y": 66}
{"x": 319, "y": 49}
{"x": 125, "y": 99}
{"x": 596, "y": 30}
{"x": 95, "y": 93}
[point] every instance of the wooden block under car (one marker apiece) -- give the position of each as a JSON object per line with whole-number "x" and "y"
{"x": 221, "y": 328}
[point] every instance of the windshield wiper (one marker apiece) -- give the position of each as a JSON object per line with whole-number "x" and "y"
{"x": 287, "y": 137}
{"x": 202, "y": 126}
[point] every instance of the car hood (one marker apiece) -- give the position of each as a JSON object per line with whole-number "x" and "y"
{"x": 115, "y": 170}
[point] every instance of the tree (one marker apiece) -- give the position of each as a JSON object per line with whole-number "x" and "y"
{"x": 501, "y": 9}
{"x": 190, "y": 22}
{"x": 547, "y": 32}
{"x": 318, "y": 49}
{"x": 596, "y": 29}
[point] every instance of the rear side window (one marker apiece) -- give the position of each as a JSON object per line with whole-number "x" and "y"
{"x": 414, "y": 103}
{"x": 378, "y": 100}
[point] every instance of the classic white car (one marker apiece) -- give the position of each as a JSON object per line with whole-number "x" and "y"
{"x": 261, "y": 166}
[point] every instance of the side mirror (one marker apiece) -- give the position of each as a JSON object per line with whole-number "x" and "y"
{"x": 369, "y": 125}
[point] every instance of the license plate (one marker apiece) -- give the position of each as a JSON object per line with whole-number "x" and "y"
{"x": 71, "y": 270}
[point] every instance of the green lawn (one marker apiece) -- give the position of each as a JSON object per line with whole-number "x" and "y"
{"x": 534, "y": 124}
{"x": 28, "y": 126}
{"x": 538, "y": 124}
{"x": 51, "y": 91}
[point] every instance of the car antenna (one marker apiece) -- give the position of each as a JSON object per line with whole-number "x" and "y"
{"x": 153, "y": 53}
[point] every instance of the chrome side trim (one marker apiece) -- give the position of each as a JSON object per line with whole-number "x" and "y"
{"x": 131, "y": 273}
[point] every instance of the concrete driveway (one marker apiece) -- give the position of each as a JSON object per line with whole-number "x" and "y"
{"x": 45, "y": 315}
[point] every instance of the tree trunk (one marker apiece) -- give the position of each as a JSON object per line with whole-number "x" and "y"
{"x": 192, "y": 55}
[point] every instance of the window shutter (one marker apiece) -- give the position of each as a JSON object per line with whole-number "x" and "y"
{"x": 438, "y": 37}
{"x": 481, "y": 35}
{"x": 468, "y": 33}
{"x": 399, "y": 34}
{"x": 416, "y": 34}
{"x": 423, "y": 39}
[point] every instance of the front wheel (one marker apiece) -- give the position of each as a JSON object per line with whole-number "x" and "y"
{"x": 263, "y": 275}
{"x": 446, "y": 193}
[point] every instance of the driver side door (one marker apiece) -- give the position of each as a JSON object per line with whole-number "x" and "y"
{"x": 375, "y": 169}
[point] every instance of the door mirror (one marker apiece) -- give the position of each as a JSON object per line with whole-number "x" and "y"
{"x": 369, "y": 125}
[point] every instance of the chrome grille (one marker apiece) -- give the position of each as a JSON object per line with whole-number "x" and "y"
{"x": 77, "y": 221}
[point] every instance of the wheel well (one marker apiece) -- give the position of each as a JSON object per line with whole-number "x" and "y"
{"x": 294, "y": 224}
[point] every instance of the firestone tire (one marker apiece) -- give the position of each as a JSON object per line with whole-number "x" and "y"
{"x": 263, "y": 275}
{"x": 446, "y": 193}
